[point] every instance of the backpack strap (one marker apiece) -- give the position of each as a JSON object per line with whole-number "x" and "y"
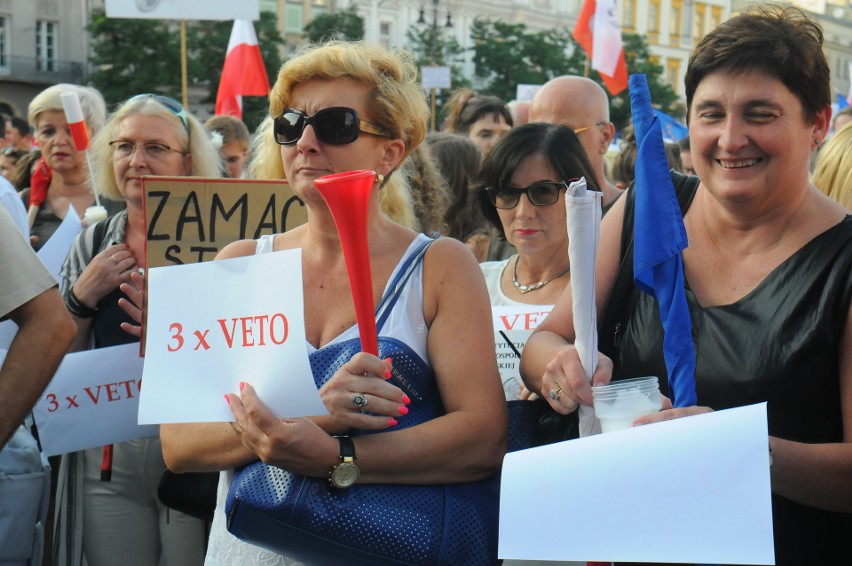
{"x": 624, "y": 294}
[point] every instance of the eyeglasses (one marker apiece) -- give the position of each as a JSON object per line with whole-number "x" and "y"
{"x": 540, "y": 193}
{"x": 170, "y": 104}
{"x": 334, "y": 126}
{"x": 12, "y": 151}
{"x": 123, "y": 149}
{"x": 579, "y": 131}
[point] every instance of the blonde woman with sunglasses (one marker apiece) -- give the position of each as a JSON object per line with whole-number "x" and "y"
{"x": 340, "y": 107}
{"x": 108, "y": 508}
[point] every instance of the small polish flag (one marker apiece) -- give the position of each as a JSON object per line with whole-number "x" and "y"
{"x": 244, "y": 73}
{"x": 76, "y": 120}
{"x": 598, "y": 33}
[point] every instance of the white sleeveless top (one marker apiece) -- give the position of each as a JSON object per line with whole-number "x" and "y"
{"x": 405, "y": 323}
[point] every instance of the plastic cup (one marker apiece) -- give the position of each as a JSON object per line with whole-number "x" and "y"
{"x": 95, "y": 214}
{"x": 620, "y": 403}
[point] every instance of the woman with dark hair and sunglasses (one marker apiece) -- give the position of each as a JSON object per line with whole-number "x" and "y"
{"x": 521, "y": 192}
{"x": 339, "y": 107}
{"x": 114, "y": 487}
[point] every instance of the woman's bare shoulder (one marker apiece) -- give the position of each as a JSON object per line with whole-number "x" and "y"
{"x": 239, "y": 248}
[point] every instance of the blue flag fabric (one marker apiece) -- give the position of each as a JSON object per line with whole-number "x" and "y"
{"x": 842, "y": 102}
{"x": 672, "y": 129}
{"x": 658, "y": 238}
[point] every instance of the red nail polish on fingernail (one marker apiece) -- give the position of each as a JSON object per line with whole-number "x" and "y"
{"x": 403, "y": 410}
{"x": 387, "y": 374}
{"x": 227, "y": 399}
{"x": 392, "y": 422}
{"x": 389, "y": 361}
{"x": 405, "y": 399}
{"x": 242, "y": 385}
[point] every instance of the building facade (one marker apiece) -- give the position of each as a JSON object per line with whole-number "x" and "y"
{"x": 42, "y": 42}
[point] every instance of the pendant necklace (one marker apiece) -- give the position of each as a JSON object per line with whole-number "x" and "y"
{"x": 524, "y": 289}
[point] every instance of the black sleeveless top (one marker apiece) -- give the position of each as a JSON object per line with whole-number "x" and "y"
{"x": 779, "y": 344}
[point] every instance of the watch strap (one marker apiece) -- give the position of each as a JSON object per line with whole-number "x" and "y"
{"x": 347, "y": 448}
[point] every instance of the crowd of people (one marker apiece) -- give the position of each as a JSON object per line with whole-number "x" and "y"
{"x": 474, "y": 216}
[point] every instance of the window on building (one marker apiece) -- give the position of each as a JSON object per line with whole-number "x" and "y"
{"x": 715, "y": 16}
{"x": 385, "y": 34}
{"x": 654, "y": 21}
{"x": 629, "y": 22}
{"x": 675, "y": 16}
{"x": 673, "y": 74}
{"x": 294, "y": 18}
{"x": 4, "y": 42}
{"x": 699, "y": 21}
{"x": 46, "y": 45}
{"x": 318, "y": 8}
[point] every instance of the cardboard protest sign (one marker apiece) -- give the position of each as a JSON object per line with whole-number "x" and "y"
{"x": 512, "y": 327}
{"x": 190, "y": 219}
{"x": 215, "y": 324}
{"x": 92, "y": 400}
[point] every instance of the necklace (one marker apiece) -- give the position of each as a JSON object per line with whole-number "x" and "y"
{"x": 524, "y": 289}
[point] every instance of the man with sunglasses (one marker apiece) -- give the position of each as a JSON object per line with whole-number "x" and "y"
{"x": 582, "y": 105}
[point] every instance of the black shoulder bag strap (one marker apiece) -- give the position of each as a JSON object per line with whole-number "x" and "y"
{"x": 622, "y": 299}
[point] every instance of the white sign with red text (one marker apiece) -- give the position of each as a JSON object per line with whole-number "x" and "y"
{"x": 92, "y": 401}
{"x": 512, "y": 328}
{"x": 215, "y": 324}
{"x": 184, "y": 9}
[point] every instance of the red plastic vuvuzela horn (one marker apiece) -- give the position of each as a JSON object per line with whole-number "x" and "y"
{"x": 348, "y": 196}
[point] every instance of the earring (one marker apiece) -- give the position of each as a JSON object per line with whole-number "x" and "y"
{"x": 380, "y": 179}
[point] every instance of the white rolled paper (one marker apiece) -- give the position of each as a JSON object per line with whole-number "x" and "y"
{"x": 583, "y": 209}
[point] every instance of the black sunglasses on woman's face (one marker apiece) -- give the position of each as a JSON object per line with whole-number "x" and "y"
{"x": 540, "y": 193}
{"x": 334, "y": 126}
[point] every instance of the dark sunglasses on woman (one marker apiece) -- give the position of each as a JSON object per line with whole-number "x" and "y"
{"x": 540, "y": 193}
{"x": 334, "y": 126}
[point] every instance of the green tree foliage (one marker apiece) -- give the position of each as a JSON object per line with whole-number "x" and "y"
{"x": 131, "y": 56}
{"x": 346, "y": 25}
{"x": 430, "y": 46}
{"x": 208, "y": 43}
{"x": 507, "y": 55}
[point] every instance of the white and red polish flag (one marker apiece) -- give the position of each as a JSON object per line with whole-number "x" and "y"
{"x": 76, "y": 120}
{"x": 244, "y": 73}
{"x": 598, "y": 33}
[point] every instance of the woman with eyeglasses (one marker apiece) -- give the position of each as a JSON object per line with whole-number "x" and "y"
{"x": 62, "y": 170}
{"x": 521, "y": 192}
{"x": 114, "y": 487}
{"x": 339, "y": 107}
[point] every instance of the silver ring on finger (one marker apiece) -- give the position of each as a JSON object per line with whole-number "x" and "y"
{"x": 555, "y": 393}
{"x": 114, "y": 261}
{"x": 359, "y": 400}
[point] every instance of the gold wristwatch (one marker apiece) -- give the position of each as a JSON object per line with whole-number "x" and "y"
{"x": 345, "y": 473}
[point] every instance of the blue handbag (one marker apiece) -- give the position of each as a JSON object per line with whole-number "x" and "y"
{"x": 306, "y": 519}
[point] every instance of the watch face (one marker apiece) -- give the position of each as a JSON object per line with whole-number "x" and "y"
{"x": 345, "y": 475}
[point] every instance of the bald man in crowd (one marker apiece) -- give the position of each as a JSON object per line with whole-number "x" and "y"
{"x": 582, "y": 105}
